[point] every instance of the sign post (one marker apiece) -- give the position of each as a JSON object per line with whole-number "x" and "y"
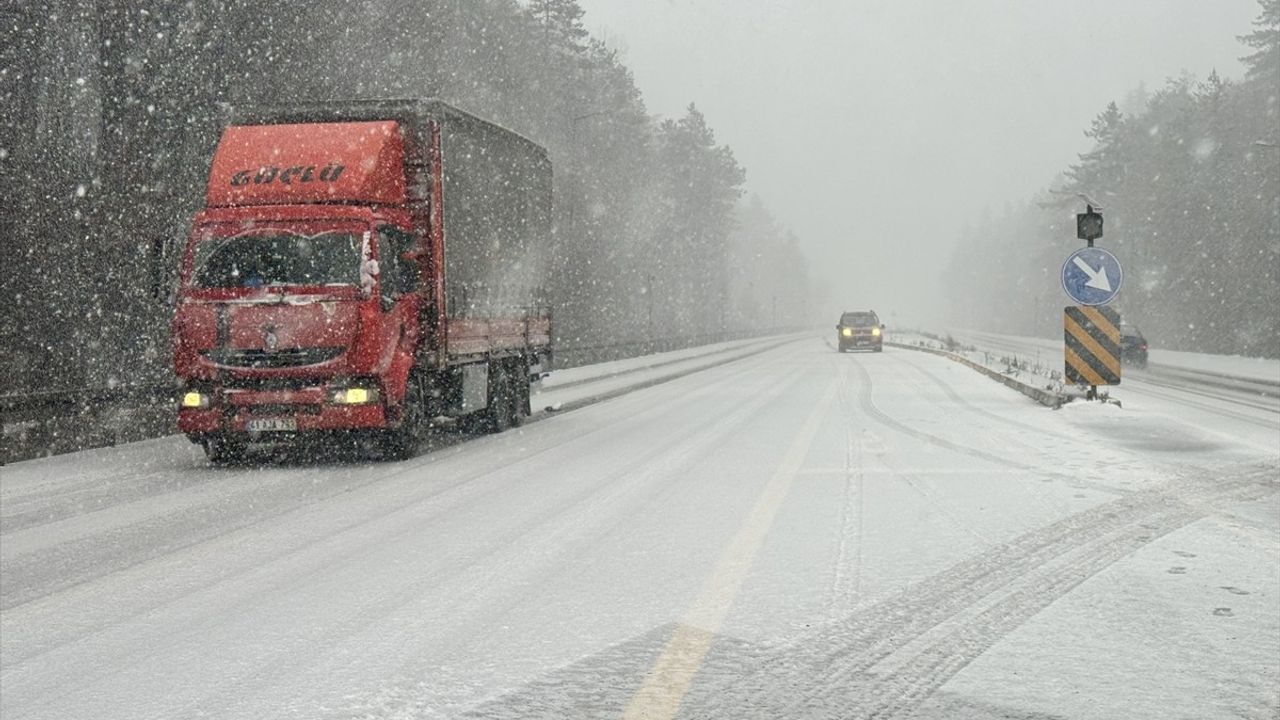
{"x": 1091, "y": 276}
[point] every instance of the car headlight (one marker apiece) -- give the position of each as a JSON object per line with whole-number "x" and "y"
{"x": 195, "y": 400}
{"x": 846, "y": 332}
{"x": 355, "y": 396}
{"x": 875, "y": 332}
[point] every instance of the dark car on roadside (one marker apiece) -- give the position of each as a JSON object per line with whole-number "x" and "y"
{"x": 860, "y": 329}
{"x": 1133, "y": 346}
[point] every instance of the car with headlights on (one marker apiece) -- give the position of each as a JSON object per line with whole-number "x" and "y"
{"x": 860, "y": 329}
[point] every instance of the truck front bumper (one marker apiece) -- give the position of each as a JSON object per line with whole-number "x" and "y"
{"x": 272, "y": 413}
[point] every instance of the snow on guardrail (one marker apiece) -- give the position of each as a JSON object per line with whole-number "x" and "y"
{"x": 1258, "y": 377}
{"x": 1031, "y": 378}
{"x": 579, "y": 386}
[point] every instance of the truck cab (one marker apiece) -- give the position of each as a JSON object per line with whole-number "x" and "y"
{"x": 289, "y": 324}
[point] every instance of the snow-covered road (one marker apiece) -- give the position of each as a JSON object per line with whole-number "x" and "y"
{"x": 794, "y": 533}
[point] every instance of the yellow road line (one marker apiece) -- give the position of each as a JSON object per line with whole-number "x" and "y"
{"x": 672, "y": 673}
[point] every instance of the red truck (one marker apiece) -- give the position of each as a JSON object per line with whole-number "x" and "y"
{"x": 360, "y": 269}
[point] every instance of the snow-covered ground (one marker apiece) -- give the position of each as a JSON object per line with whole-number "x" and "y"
{"x": 1234, "y": 397}
{"x": 791, "y": 533}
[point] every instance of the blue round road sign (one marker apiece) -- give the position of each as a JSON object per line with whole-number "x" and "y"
{"x": 1092, "y": 276}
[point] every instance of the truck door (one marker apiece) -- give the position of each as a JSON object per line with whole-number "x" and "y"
{"x": 400, "y": 303}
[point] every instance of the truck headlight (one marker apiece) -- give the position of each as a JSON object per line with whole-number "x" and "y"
{"x": 875, "y": 332}
{"x": 355, "y": 396}
{"x": 195, "y": 400}
{"x": 846, "y": 332}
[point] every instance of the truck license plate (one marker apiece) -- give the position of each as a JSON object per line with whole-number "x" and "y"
{"x": 272, "y": 425}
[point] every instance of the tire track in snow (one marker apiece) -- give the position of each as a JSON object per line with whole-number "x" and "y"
{"x": 969, "y": 405}
{"x": 846, "y": 572}
{"x": 869, "y": 406}
{"x": 846, "y": 580}
{"x": 1058, "y": 439}
{"x": 898, "y": 692}
{"x": 863, "y": 392}
{"x": 883, "y": 661}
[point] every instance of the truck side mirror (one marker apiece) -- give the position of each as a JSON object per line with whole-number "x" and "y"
{"x": 406, "y": 272}
{"x": 388, "y": 288}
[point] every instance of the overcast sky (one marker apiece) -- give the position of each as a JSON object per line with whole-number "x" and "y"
{"x": 876, "y": 129}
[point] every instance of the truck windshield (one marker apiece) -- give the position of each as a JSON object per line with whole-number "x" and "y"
{"x": 278, "y": 258}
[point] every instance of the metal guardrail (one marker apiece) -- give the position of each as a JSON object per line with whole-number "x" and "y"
{"x": 53, "y": 422}
{"x": 78, "y": 399}
{"x": 574, "y": 355}
{"x": 58, "y": 421}
{"x": 1251, "y": 391}
{"x": 1247, "y": 385}
{"x": 1044, "y": 396}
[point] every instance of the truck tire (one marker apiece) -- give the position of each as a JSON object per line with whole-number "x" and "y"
{"x": 223, "y": 451}
{"x": 401, "y": 443}
{"x": 498, "y": 414}
{"x": 518, "y": 379}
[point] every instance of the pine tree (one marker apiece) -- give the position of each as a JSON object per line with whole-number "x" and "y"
{"x": 1264, "y": 63}
{"x": 561, "y": 22}
{"x": 1101, "y": 169}
{"x": 703, "y": 182}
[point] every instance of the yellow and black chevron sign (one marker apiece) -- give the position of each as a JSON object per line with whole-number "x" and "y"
{"x": 1092, "y": 336}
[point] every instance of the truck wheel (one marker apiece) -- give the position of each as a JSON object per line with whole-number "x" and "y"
{"x": 402, "y": 442}
{"x": 519, "y": 397}
{"x": 223, "y": 451}
{"x": 498, "y": 415}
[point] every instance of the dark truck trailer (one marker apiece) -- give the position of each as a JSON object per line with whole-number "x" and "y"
{"x": 362, "y": 268}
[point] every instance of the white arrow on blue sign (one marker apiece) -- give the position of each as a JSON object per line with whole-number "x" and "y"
{"x": 1092, "y": 276}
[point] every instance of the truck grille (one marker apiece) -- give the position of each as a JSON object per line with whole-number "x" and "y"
{"x": 293, "y": 357}
{"x": 288, "y": 384}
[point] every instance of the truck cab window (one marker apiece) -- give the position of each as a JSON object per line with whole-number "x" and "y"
{"x": 398, "y": 275}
